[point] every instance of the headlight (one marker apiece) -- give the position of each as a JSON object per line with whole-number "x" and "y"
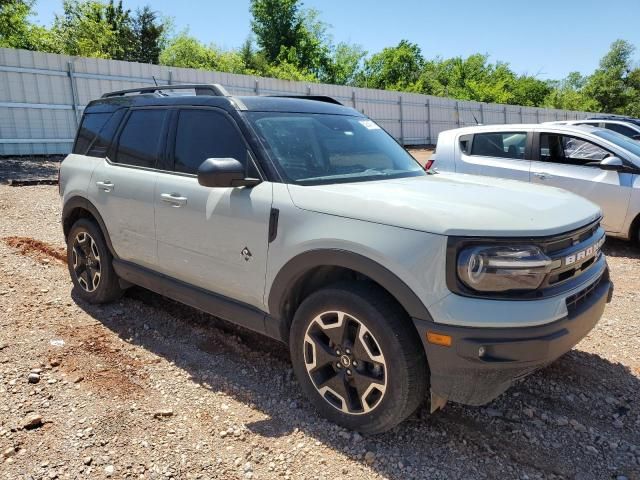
{"x": 503, "y": 268}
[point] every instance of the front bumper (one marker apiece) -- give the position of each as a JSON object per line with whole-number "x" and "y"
{"x": 460, "y": 374}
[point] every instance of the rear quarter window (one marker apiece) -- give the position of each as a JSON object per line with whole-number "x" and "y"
{"x": 96, "y": 133}
{"x": 90, "y": 126}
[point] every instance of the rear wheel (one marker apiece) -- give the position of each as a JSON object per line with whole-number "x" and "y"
{"x": 90, "y": 263}
{"x": 358, "y": 358}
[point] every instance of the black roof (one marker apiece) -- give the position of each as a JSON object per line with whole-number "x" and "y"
{"x": 149, "y": 96}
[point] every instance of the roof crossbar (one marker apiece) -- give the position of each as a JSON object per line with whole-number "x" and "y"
{"x": 206, "y": 89}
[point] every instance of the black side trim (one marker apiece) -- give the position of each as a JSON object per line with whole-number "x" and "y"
{"x": 273, "y": 224}
{"x": 295, "y": 269}
{"x": 81, "y": 202}
{"x": 209, "y": 302}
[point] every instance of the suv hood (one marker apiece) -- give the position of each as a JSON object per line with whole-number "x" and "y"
{"x": 452, "y": 204}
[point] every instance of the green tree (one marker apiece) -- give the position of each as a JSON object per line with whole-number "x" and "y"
{"x": 276, "y": 24}
{"x": 394, "y": 68}
{"x": 187, "y": 52}
{"x": 610, "y": 85}
{"x": 84, "y": 31}
{"x": 16, "y": 31}
{"x": 287, "y": 33}
{"x": 345, "y": 64}
{"x": 568, "y": 94}
{"x": 150, "y": 36}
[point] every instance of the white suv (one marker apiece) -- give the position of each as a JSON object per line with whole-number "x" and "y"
{"x": 597, "y": 163}
{"x": 303, "y": 220}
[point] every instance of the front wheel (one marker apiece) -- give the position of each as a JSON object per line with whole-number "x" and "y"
{"x": 358, "y": 357}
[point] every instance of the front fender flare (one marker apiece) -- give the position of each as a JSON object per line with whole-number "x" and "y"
{"x": 295, "y": 268}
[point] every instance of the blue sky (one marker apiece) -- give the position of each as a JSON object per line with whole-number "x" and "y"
{"x": 548, "y": 38}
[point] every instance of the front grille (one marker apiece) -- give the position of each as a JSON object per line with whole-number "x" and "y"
{"x": 577, "y": 299}
{"x": 573, "y": 254}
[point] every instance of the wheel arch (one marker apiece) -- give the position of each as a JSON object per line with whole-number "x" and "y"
{"x": 80, "y": 207}
{"x": 312, "y": 270}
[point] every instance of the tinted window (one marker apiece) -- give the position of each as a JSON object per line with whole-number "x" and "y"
{"x": 206, "y": 134}
{"x": 570, "y": 150}
{"x": 503, "y": 144}
{"x": 465, "y": 143}
{"x": 141, "y": 138}
{"x": 103, "y": 139}
{"x": 318, "y": 148}
{"x": 616, "y": 127}
{"x": 91, "y": 124}
{"x": 621, "y": 141}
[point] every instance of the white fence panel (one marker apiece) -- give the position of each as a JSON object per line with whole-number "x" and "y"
{"x": 42, "y": 96}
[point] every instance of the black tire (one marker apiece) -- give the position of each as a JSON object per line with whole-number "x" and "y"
{"x": 102, "y": 289}
{"x": 388, "y": 332}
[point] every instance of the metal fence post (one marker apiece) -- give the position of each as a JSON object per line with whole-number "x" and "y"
{"x": 401, "y": 120}
{"x": 74, "y": 92}
{"x": 308, "y": 90}
{"x": 482, "y": 113}
{"x": 521, "y": 121}
{"x": 537, "y": 116}
{"x": 505, "y": 115}
{"x": 457, "y": 114}
{"x": 353, "y": 98}
{"x": 429, "y": 141}
{"x": 256, "y": 87}
{"x": 170, "y": 77}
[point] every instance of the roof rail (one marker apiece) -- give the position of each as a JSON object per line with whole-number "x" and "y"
{"x": 206, "y": 89}
{"x": 317, "y": 98}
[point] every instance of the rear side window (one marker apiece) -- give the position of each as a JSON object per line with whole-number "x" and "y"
{"x": 502, "y": 144}
{"x": 140, "y": 142}
{"x": 90, "y": 126}
{"x": 465, "y": 144}
{"x": 203, "y": 134}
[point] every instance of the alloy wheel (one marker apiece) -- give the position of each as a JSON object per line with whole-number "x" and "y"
{"x": 86, "y": 262}
{"x": 345, "y": 362}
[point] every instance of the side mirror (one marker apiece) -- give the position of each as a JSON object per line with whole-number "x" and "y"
{"x": 611, "y": 163}
{"x": 224, "y": 173}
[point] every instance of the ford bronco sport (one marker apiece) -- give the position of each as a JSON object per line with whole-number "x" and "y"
{"x": 302, "y": 219}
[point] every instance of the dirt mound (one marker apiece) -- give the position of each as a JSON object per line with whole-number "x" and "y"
{"x": 35, "y": 248}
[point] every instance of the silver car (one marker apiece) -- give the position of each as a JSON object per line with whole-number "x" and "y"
{"x": 597, "y": 163}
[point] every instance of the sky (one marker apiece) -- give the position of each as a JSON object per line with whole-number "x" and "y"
{"x": 545, "y": 38}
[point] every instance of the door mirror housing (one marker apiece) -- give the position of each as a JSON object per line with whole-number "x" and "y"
{"x": 224, "y": 173}
{"x": 611, "y": 163}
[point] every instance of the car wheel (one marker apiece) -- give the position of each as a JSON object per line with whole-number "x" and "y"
{"x": 358, "y": 357}
{"x": 90, "y": 263}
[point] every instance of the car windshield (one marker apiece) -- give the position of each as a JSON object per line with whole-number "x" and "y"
{"x": 313, "y": 149}
{"x": 621, "y": 141}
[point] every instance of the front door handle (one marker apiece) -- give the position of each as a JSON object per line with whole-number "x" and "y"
{"x": 106, "y": 186}
{"x": 175, "y": 199}
{"x": 542, "y": 175}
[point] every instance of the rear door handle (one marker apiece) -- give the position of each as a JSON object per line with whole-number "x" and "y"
{"x": 542, "y": 175}
{"x": 107, "y": 186}
{"x": 174, "y": 199}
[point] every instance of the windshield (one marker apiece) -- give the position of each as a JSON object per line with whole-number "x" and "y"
{"x": 621, "y": 141}
{"x": 313, "y": 149}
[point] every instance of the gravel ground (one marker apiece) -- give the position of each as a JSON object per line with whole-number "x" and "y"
{"x": 149, "y": 388}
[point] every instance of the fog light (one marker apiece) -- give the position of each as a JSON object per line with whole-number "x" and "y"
{"x": 439, "y": 339}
